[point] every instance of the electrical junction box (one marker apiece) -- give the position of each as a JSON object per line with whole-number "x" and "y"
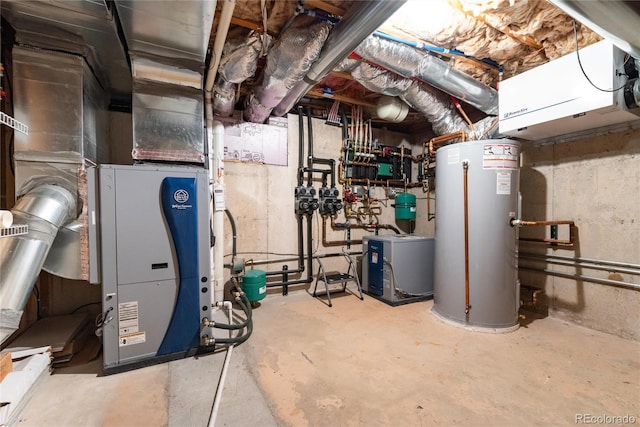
{"x": 398, "y": 269}
{"x": 556, "y": 98}
{"x": 154, "y": 229}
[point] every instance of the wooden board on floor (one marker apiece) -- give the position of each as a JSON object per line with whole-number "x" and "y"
{"x": 56, "y": 331}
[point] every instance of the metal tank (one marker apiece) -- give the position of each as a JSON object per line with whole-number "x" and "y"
{"x": 476, "y": 279}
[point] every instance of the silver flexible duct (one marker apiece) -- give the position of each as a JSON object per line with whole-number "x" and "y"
{"x": 44, "y": 209}
{"x": 362, "y": 19}
{"x": 413, "y": 63}
{"x": 288, "y": 62}
{"x": 239, "y": 62}
{"x": 436, "y": 106}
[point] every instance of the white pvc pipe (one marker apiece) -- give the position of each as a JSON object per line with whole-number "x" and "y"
{"x": 225, "y": 367}
{"x": 218, "y": 44}
{"x": 215, "y": 141}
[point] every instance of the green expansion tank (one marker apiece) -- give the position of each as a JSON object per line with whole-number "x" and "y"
{"x": 254, "y": 284}
{"x": 405, "y": 206}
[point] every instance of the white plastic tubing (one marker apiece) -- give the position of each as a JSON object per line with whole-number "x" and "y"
{"x": 215, "y": 143}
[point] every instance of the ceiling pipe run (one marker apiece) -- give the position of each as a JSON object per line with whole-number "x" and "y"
{"x": 288, "y": 61}
{"x": 358, "y": 23}
{"x": 44, "y": 209}
{"x": 411, "y": 63}
{"x": 435, "y": 105}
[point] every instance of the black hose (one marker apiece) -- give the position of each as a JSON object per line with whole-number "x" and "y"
{"x": 330, "y": 162}
{"x": 309, "y": 248}
{"x": 234, "y": 251}
{"x": 300, "y": 145}
{"x": 345, "y": 125}
{"x": 309, "y": 148}
{"x": 240, "y": 338}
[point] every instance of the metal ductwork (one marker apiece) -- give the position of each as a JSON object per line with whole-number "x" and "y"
{"x": 239, "y": 62}
{"x": 288, "y": 61}
{"x": 616, "y": 21}
{"x": 44, "y": 209}
{"x": 436, "y": 106}
{"x": 414, "y": 64}
{"x": 84, "y": 28}
{"x": 167, "y": 44}
{"x": 362, "y": 19}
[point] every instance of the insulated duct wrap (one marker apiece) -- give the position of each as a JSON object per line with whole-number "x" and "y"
{"x": 433, "y": 104}
{"x": 44, "y": 209}
{"x": 288, "y": 62}
{"x": 239, "y": 62}
{"x": 412, "y": 63}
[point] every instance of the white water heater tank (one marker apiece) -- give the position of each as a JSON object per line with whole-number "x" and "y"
{"x": 492, "y": 200}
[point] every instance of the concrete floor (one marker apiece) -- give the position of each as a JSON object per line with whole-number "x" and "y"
{"x": 363, "y": 363}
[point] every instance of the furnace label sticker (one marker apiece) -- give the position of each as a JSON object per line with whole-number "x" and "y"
{"x": 503, "y": 183}
{"x": 128, "y": 317}
{"x": 500, "y": 156}
{"x": 131, "y": 339}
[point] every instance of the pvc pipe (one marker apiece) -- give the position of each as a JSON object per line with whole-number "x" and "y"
{"x": 218, "y": 397}
{"x": 217, "y": 175}
{"x": 221, "y": 37}
{"x": 6, "y": 219}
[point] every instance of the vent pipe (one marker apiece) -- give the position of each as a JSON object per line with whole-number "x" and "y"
{"x": 362, "y": 19}
{"x": 436, "y": 106}
{"x": 288, "y": 61}
{"x": 44, "y": 209}
{"x": 414, "y": 64}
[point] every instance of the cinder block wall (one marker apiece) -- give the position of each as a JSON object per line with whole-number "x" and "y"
{"x": 596, "y": 183}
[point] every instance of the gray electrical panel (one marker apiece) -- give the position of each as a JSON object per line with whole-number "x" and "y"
{"x": 153, "y": 223}
{"x": 398, "y": 269}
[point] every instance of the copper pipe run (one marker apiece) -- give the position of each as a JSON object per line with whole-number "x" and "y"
{"x": 465, "y": 166}
{"x": 438, "y": 140}
{"x": 368, "y": 227}
{"x": 553, "y": 241}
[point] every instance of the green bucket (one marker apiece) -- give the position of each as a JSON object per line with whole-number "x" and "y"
{"x": 254, "y": 285}
{"x": 405, "y": 206}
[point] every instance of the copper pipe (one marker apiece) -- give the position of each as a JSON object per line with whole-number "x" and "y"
{"x": 367, "y": 227}
{"x": 325, "y": 242}
{"x": 361, "y": 163}
{"x": 487, "y": 130}
{"x": 563, "y": 242}
{"x": 465, "y": 166}
{"x": 433, "y": 142}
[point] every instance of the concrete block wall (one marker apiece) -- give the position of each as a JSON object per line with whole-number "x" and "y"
{"x": 595, "y": 182}
{"x": 261, "y": 200}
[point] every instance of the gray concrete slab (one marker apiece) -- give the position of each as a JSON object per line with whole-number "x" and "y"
{"x": 363, "y": 363}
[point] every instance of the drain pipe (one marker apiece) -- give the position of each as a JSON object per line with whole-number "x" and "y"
{"x": 221, "y": 37}
{"x": 223, "y": 375}
{"x": 44, "y": 209}
{"x": 215, "y": 143}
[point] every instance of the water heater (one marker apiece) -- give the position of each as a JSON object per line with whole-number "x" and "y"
{"x": 476, "y": 278}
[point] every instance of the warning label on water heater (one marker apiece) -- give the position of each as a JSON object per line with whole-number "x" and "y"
{"x": 500, "y": 156}
{"x": 503, "y": 183}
